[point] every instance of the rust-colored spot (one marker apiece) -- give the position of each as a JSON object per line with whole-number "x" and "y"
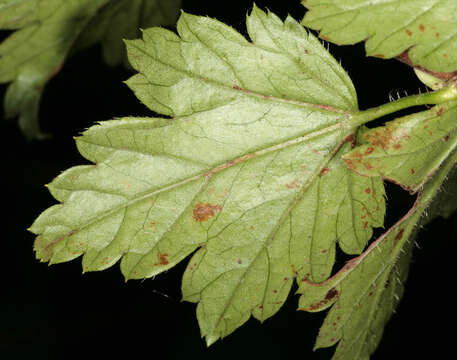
{"x": 445, "y": 55}
{"x": 369, "y": 150}
{"x": 368, "y": 190}
{"x": 430, "y": 132}
{"x": 236, "y": 87}
{"x": 267, "y": 96}
{"x": 203, "y": 211}
{"x": 251, "y": 227}
{"x": 331, "y": 294}
{"x": 379, "y": 55}
{"x": 324, "y": 251}
{"x": 398, "y": 236}
{"x": 365, "y": 224}
{"x": 163, "y": 259}
{"x": 437, "y": 35}
{"x": 440, "y": 111}
{"x": 413, "y": 171}
{"x": 421, "y": 27}
{"x": 368, "y": 166}
{"x": 408, "y": 32}
{"x": 324, "y": 171}
{"x": 396, "y": 146}
{"x": 294, "y": 184}
{"x": 446, "y": 138}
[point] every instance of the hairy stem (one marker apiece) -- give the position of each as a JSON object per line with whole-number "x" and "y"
{"x": 436, "y": 97}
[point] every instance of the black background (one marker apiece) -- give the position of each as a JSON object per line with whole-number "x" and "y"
{"x": 56, "y": 312}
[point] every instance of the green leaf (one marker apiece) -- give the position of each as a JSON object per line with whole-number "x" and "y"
{"x": 246, "y": 172}
{"x": 123, "y": 19}
{"x": 29, "y": 57}
{"x": 366, "y": 291}
{"x": 408, "y": 150}
{"x": 47, "y": 31}
{"x": 426, "y": 29}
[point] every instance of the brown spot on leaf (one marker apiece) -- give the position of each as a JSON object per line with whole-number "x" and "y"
{"x": 437, "y": 35}
{"x": 446, "y": 138}
{"x": 379, "y": 55}
{"x": 440, "y": 111}
{"x": 387, "y": 284}
{"x": 331, "y": 294}
{"x": 368, "y": 190}
{"x": 365, "y": 224}
{"x": 369, "y": 150}
{"x": 398, "y": 236}
{"x": 236, "y": 87}
{"x": 413, "y": 171}
{"x": 163, "y": 259}
{"x": 294, "y": 184}
{"x": 408, "y": 32}
{"x": 324, "y": 171}
{"x": 203, "y": 211}
{"x": 396, "y": 146}
{"x": 421, "y": 28}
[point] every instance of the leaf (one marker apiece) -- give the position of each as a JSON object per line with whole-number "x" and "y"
{"x": 35, "y": 52}
{"x": 366, "y": 291}
{"x": 244, "y": 172}
{"x": 47, "y": 31}
{"x": 426, "y": 29}
{"x": 409, "y": 149}
{"x": 123, "y": 19}
{"x": 428, "y": 79}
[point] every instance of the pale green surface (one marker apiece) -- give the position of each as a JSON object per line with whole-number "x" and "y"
{"x": 408, "y": 150}
{"x": 123, "y": 19}
{"x": 431, "y": 81}
{"x": 428, "y": 28}
{"x": 248, "y": 172}
{"x": 367, "y": 290}
{"x": 47, "y": 30}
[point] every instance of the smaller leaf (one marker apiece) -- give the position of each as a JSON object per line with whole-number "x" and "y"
{"x": 424, "y": 28}
{"x": 365, "y": 292}
{"x": 34, "y": 53}
{"x": 407, "y": 150}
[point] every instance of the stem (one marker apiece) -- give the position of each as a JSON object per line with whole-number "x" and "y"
{"x": 433, "y": 98}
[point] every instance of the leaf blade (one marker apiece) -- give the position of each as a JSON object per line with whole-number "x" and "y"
{"x": 225, "y": 175}
{"x": 426, "y": 29}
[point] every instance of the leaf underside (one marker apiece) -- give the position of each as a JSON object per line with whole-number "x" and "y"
{"x": 46, "y": 31}
{"x": 407, "y": 150}
{"x": 426, "y": 29}
{"x": 365, "y": 293}
{"x": 248, "y": 172}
